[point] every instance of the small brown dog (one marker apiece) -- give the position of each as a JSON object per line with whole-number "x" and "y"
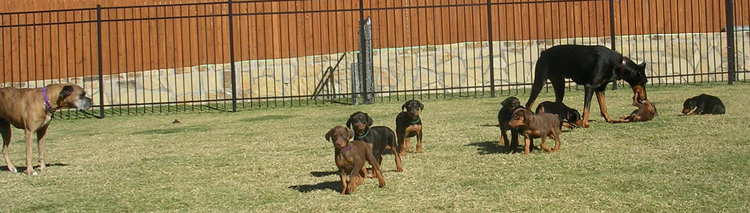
{"x": 541, "y": 125}
{"x": 350, "y": 158}
{"x": 645, "y": 112}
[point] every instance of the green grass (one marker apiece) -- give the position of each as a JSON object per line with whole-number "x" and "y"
{"x": 276, "y": 160}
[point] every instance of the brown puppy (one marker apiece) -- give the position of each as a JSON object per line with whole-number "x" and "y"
{"x": 350, "y": 158}
{"x": 409, "y": 124}
{"x": 541, "y": 125}
{"x": 31, "y": 110}
{"x": 645, "y": 112}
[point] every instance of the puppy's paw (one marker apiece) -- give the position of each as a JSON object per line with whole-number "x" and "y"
{"x": 13, "y": 170}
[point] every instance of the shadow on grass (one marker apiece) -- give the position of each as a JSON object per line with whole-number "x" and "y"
{"x": 23, "y": 168}
{"x": 173, "y": 130}
{"x": 489, "y": 147}
{"x": 267, "y": 118}
{"x": 328, "y": 185}
{"x": 323, "y": 174}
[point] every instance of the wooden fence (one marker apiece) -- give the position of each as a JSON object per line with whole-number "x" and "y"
{"x": 34, "y": 45}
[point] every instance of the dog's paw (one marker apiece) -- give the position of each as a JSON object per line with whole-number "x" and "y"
{"x": 13, "y": 170}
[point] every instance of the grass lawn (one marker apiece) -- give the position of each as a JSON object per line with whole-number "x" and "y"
{"x": 276, "y": 160}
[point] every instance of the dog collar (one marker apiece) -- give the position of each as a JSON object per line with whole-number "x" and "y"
{"x": 363, "y": 135}
{"x": 416, "y": 121}
{"x": 346, "y": 148}
{"x": 48, "y": 107}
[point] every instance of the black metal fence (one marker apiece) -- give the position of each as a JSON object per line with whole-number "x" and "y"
{"x": 234, "y": 55}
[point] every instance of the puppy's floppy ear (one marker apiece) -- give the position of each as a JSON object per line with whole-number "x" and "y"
{"x": 329, "y": 135}
{"x": 351, "y": 133}
{"x": 421, "y": 106}
{"x": 369, "y": 120}
{"x": 403, "y": 107}
{"x": 349, "y": 123}
{"x": 65, "y": 92}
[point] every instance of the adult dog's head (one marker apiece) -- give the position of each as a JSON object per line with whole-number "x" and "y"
{"x": 359, "y": 122}
{"x": 413, "y": 107}
{"x": 340, "y": 136}
{"x": 68, "y": 96}
{"x": 635, "y": 75}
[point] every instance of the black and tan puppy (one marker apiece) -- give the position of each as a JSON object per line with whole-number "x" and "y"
{"x": 350, "y": 158}
{"x": 645, "y": 112}
{"x": 31, "y": 110}
{"x": 532, "y": 126}
{"x": 703, "y": 104}
{"x": 503, "y": 117}
{"x": 380, "y": 137}
{"x": 409, "y": 124}
{"x": 569, "y": 117}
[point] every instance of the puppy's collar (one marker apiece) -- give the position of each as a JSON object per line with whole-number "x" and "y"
{"x": 47, "y": 105}
{"x": 346, "y": 148}
{"x": 416, "y": 121}
{"x": 363, "y": 135}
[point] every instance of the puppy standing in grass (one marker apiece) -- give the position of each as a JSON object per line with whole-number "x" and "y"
{"x": 31, "y": 110}
{"x": 350, "y": 158}
{"x": 541, "y": 125}
{"x": 409, "y": 124}
{"x": 380, "y": 137}
{"x": 503, "y": 117}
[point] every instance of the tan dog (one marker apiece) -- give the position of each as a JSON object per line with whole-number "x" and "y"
{"x": 540, "y": 125}
{"x": 31, "y": 110}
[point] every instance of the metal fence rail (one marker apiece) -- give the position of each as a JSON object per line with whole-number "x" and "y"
{"x": 235, "y": 55}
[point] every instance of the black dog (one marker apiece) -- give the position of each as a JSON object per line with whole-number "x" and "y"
{"x": 703, "y": 104}
{"x": 409, "y": 124}
{"x": 591, "y": 66}
{"x": 568, "y": 116}
{"x": 505, "y": 114}
{"x": 381, "y": 137}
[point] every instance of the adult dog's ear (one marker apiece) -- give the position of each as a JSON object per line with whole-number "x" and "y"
{"x": 64, "y": 93}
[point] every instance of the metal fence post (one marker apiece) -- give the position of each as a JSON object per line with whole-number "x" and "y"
{"x": 731, "y": 55}
{"x": 231, "y": 56}
{"x": 100, "y": 60}
{"x": 492, "y": 54}
{"x": 612, "y": 38}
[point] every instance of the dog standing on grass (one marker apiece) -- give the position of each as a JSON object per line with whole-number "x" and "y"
{"x": 350, "y": 158}
{"x": 409, "y": 124}
{"x": 31, "y": 110}
{"x": 540, "y": 125}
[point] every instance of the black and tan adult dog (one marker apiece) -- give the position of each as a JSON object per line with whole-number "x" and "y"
{"x": 31, "y": 110}
{"x": 381, "y": 137}
{"x": 591, "y": 66}
{"x": 350, "y": 158}
{"x": 409, "y": 124}
{"x": 504, "y": 115}
{"x": 703, "y": 104}
{"x": 569, "y": 117}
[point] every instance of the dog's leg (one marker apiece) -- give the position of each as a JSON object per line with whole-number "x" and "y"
{"x": 503, "y": 139}
{"x": 6, "y": 132}
{"x": 29, "y": 152}
{"x": 544, "y": 144}
{"x": 557, "y": 142}
{"x": 526, "y": 144}
{"x": 603, "y": 105}
{"x": 401, "y": 146}
{"x": 343, "y": 176}
{"x": 376, "y": 169}
{"x": 354, "y": 177}
{"x": 558, "y": 83}
{"x": 420, "y": 148}
{"x": 589, "y": 93}
{"x": 397, "y": 156}
{"x": 41, "y": 145}
{"x": 513, "y": 140}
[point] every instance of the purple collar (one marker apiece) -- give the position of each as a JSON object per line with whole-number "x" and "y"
{"x": 46, "y": 99}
